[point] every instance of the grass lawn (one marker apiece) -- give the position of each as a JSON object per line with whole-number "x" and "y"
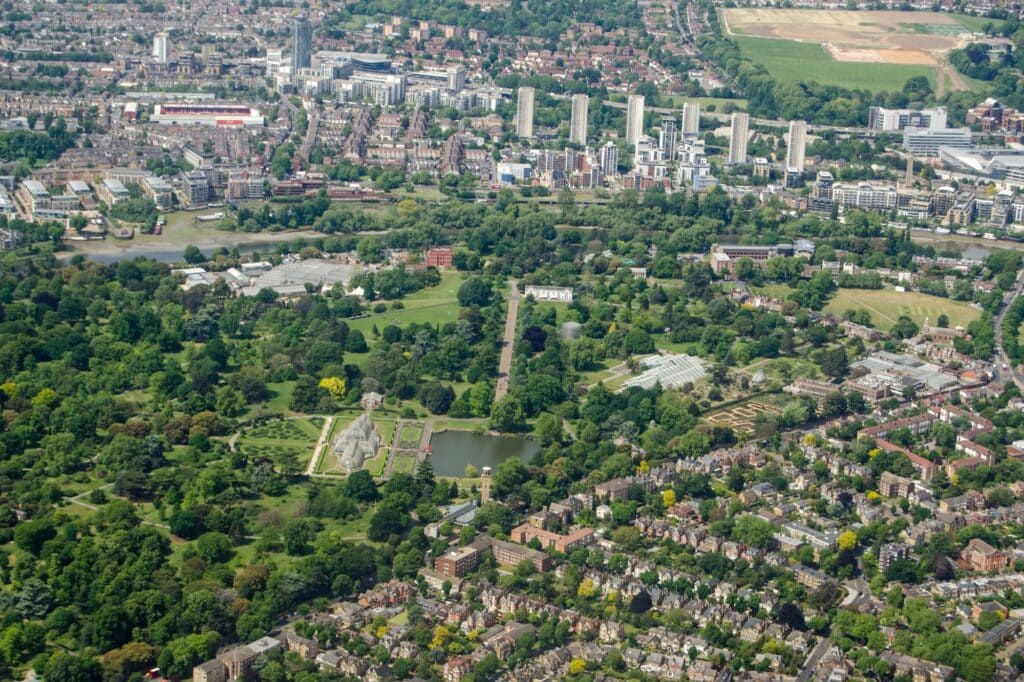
{"x": 436, "y": 305}
{"x": 410, "y": 436}
{"x": 375, "y": 465}
{"x": 603, "y": 373}
{"x": 973, "y": 23}
{"x": 280, "y": 398}
{"x": 779, "y": 291}
{"x": 404, "y": 464}
{"x": 886, "y": 305}
{"x": 789, "y": 60}
{"x": 356, "y": 528}
{"x": 444, "y": 424}
{"x": 785, "y": 369}
{"x": 665, "y": 343}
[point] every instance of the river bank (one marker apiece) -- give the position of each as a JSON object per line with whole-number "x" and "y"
{"x": 167, "y": 249}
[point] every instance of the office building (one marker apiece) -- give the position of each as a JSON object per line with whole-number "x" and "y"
{"x": 524, "y": 113}
{"x": 634, "y": 119}
{"x": 302, "y": 43}
{"x": 927, "y": 141}
{"x": 160, "y": 47}
{"x": 456, "y": 78}
{"x": 578, "y": 123}
{"x": 796, "y": 149}
{"x": 610, "y": 159}
{"x": 691, "y": 119}
{"x": 667, "y": 138}
{"x": 880, "y": 118}
{"x": 739, "y": 132}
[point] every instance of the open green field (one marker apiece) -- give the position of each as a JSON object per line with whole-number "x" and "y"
{"x": 973, "y": 23}
{"x": 436, "y": 305}
{"x": 886, "y": 305}
{"x": 790, "y": 60}
{"x": 779, "y": 291}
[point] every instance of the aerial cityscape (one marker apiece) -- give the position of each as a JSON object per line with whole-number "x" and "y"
{"x": 469, "y": 340}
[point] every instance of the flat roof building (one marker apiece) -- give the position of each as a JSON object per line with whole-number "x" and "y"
{"x": 880, "y": 118}
{"x": 159, "y": 191}
{"x": 549, "y": 294}
{"x": 113, "y": 191}
{"x": 927, "y": 141}
{"x": 222, "y": 115}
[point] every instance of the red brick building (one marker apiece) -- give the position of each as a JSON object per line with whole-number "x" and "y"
{"x": 982, "y": 556}
{"x": 439, "y": 257}
{"x": 458, "y": 562}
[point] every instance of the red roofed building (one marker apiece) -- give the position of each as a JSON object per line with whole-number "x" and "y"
{"x": 440, "y": 257}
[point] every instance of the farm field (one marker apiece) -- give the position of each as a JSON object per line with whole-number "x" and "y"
{"x": 788, "y": 60}
{"x": 867, "y": 50}
{"x": 886, "y": 305}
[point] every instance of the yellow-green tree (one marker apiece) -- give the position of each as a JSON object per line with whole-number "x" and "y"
{"x": 45, "y": 398}
{"x": 441, "y": 637}
{"x": 668, "y": 497}
{"x": 576, "y": 666}
{"x": 335, "y": 386}
{"x": 848, "y": 540}
{"x": 586, "y": 588}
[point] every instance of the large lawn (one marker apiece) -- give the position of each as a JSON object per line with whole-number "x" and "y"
{"x": 436, "y": 305}
{"x": 886, "y": 305}
{"x": 790, "y": 60}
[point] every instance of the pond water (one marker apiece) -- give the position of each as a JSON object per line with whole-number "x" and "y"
{"x": 451, "y": 451}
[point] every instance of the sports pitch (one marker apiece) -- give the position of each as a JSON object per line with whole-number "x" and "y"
{"x": 886, "y": 305}
{"x": 863, "y": 50}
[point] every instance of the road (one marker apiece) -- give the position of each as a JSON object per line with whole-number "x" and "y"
{"x": 508, "y": 342}
{"x": 1001, "y": 358}
{"x": 858, "y": 593}
{"x": 312, "y": 126}
{"x": 811, "y": 664}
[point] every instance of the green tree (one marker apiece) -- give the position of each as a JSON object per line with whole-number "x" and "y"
{"x": 507, "y": 415}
